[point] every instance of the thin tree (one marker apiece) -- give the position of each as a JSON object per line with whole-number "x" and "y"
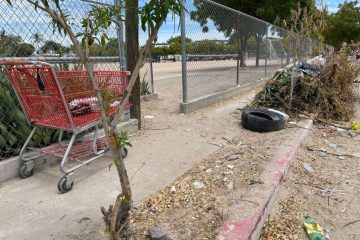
{"x": 97, "y": 22}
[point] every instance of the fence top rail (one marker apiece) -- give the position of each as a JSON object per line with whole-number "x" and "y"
{"x": 58, "y": 59}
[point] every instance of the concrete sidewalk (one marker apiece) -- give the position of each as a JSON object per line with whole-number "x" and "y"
{"x": 169, "y": 145}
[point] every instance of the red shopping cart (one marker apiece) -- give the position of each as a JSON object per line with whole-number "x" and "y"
{"x": 64, "y": 100}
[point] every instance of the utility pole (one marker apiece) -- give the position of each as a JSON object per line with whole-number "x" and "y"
{"x": 132, "y": 54}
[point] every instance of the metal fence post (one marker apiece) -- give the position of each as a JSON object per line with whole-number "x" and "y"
{"x": 266, "y": 48}
{"x": 120, "y": 35}
{"x": 151, "y": 67}
{"x": 183, "y": 54}
{"x": 238, "y": 52}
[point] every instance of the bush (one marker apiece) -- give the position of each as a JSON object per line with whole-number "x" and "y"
{"x": 14, "y": 128}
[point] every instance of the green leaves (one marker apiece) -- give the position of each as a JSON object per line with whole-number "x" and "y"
{"x": 155, "y": 12}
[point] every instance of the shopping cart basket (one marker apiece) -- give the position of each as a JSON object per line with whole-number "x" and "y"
{"x": 64, "y": 100}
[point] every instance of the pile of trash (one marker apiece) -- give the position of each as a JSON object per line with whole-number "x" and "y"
{"x": 323, "y": 87}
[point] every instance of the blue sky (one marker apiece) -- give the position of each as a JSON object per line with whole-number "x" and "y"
{"x": 333, "y": 4}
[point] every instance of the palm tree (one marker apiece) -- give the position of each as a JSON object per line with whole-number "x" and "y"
{"x": 37, "y": 40}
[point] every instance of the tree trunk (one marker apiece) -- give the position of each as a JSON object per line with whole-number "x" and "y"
{"x": 132, "y": 53}
{"x": 243, "y": 46}
{"x": 258, "y": 39}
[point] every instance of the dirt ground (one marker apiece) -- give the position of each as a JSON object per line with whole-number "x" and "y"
{"x": 184, "y": 211}
{"x": 329, "y": 191}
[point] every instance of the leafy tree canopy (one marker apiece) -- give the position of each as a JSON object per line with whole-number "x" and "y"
{"x": 344, "y": 25}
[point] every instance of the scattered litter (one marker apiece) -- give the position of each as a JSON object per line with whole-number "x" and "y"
{"x": 148, "y": 117}
{"x": 343, "y": 210}
{"x": 225, "y": 179}
{"x": 308, "y": 168}
{"x": 173, "y": 189}
{"x": 286, "y": 117}
{"x": 231, "y": 167}
{"x": 327, "y": 233}
{"x": 230, "y": 186}
{"x": 293, "y": 123}
{"x": 313, "y": 230}
{"x": 157, "y": 233}
{"x": 208, "y": 170}
{"x": 355, "y": 126}
{"x": 198, "y": 185}
{"x": 341, "y": 157}
{"x": 253, "y": 182}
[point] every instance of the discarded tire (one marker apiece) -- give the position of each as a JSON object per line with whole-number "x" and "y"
{"x": 262, "y": 120}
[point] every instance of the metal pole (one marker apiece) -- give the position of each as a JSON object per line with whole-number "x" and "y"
{"x": 183, "y": 54}
{"x": 266, "y": 47}
{"x": 151, "y": 68}
{"x": 238, "y": 52}
{"x": 120, "y": 35}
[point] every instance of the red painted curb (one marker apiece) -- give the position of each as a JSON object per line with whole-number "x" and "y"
{"x": 251, "y": 227}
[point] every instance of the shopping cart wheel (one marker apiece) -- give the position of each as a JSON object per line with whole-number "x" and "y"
{"x": 124, "y": 152}
{"x": 26, "y": 170}
{"x": 65, "y": 184}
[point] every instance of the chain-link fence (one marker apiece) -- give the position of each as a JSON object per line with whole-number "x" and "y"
{"x": 28, "y": 34}
{"x": 226, "y": 48}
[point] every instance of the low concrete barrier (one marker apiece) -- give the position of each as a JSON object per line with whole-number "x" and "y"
{"x": 208, "y": 100}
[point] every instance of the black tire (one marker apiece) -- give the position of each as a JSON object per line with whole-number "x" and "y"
{"x": 262, "y": 120}
{"x": 24, "y": 172}
{"x": 63, "y": 185}
{"x": 124, "y": 152}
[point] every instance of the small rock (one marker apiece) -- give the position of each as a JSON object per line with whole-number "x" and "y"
{"x": 208, "y": 170}
{"x": 233, "y": 157}
{"x": 198, "y": 185}
{"x": 341, "y": 157}
{"x": 308, "y": 168}
{"x": 225, "y": 179}
{"x": 353, "y": 133}
{"x": 253, "y": 182}
{"x": 227, "y": 173}
{"x": 230, "y": 186}
{"x": 157, "y": 233}
{"x": 231, "y": 167}
{"x": 343, "y": 210}
{"x": 217, "y": 177}
{"x": 293, "y": 123}
{"x": 333, "y": 145}
{"x": 148, "y": 117}
{"x": 321, "y": 153}
{"x": 173, "y": 189}
{"x": 357, "y": 155}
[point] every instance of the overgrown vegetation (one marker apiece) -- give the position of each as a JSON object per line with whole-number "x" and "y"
{"x": 329, "y": 93}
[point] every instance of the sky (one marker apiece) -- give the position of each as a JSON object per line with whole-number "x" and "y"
{"x": 25, "y": 22}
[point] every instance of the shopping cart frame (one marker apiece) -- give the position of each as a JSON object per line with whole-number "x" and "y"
{"x": 66, "y": 183}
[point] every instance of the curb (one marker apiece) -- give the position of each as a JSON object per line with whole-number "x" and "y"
{"x": 251, "y": 221}
{"x": 9, "y": 168}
